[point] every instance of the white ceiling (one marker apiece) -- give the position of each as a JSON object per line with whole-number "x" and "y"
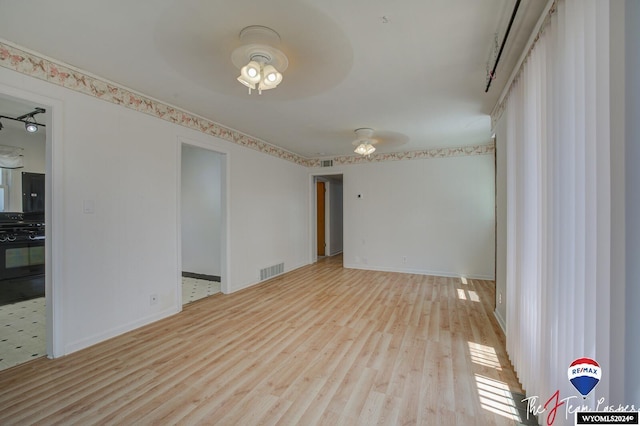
{"x": 413, "y": 70}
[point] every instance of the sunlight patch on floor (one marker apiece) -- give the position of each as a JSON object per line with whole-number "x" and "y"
{"x": 495, "y": 397}
{"x": 468, "y": 295}
{"x": 461, "y": 294}
{"x": 484, "y": 355}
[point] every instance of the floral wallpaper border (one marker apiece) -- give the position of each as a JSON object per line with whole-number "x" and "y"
{"x": 412, "y": 155}
{"x": 36, "y": 66}
{"x": 62, "y": 75}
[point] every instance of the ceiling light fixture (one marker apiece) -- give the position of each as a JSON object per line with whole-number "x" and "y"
{"x": 364, "y": 142}
{"x": 30, "y": 124}
{"x": 261, "y": 64}
{"x": 365, "y": 148}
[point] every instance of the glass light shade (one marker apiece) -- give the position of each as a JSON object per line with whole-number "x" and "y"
{"x": 271, "y": 77}
{"x": 365, "y": 149}
{"x": 250, "y": 73}
{"x": 249, "y": 84}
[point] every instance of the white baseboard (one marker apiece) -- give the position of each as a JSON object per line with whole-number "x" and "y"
{"x": 501, "y": 322}
{"x": 420, "y": 272}
{"x": 101, "y": 337}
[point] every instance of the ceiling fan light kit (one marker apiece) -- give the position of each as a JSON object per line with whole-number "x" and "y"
{"x": 364, "y": 142}
{"x": 365, "y": 149}
{"x": 261, "y": 64}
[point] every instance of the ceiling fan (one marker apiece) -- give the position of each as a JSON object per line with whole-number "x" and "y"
{"x": 368, "y": 140}
{"x": 364, "y": 143}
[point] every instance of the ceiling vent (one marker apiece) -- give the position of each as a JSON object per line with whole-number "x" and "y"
{"x": 326, "y": 163}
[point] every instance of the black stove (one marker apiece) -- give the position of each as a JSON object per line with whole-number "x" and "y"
{"x": 16, "y": 226}
{"x": 22, "y": 249}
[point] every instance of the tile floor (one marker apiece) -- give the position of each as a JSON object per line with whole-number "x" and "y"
{"x": 194, "y": 289}
{"x": 22, "y": 324}
{"x": 22, "y": 332}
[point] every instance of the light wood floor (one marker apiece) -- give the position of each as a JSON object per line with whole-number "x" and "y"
{"x": 320, "y": 345}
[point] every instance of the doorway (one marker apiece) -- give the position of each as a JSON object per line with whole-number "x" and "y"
{"x": 23, "y": 270}
{"x": 321, "y": 192}
{"x": 327, "y": 216}
{"x": 202, "y": 222}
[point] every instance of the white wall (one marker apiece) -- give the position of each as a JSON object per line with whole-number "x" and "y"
{"x": 438, "y": 213}
{"x": 501, "y": 224}
{"x": 126, "y": 164}
{"x": 201, "y": 212}
{"x": 13, "y": 134}
{"x": 269, "y": 216}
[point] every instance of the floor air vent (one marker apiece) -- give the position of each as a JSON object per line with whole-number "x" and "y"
{"x": 271, "y": 271}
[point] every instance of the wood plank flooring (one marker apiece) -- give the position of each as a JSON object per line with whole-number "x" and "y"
{"x": 319, "y": 345}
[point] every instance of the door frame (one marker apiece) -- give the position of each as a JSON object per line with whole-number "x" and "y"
{"x": 54, "y": 212}
{"x": 322, "y": 210}
{"x": 313, "y": 219}
{"x": 225, "y": 258}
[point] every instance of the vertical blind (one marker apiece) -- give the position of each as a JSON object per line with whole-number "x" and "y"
{"x": 558, "y": 199}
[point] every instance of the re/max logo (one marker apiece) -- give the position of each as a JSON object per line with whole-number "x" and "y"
{"x": 582, "y": 370}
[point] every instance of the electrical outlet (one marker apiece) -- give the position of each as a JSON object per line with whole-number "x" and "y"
{"x": 153, "y": 299}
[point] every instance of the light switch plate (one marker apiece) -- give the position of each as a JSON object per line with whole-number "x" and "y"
{"x": 88, "y": 207}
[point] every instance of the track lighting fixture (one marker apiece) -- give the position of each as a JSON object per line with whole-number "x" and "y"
{"x": 30, "y": 124}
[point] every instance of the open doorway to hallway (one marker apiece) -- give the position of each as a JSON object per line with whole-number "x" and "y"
{"x": 201, "y": 219}
{"x": 328, "y": 214}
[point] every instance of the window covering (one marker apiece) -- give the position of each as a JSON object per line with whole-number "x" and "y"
{"x": 558, "y": 203}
